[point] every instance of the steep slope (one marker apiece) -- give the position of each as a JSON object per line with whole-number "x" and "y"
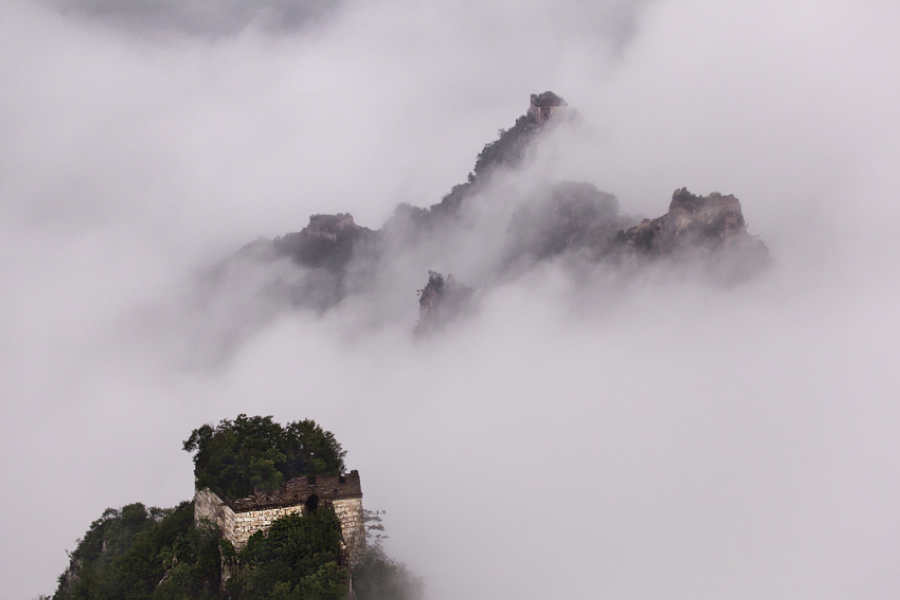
{"x": 339, "y": 258}
{"x": 142, "y": 553}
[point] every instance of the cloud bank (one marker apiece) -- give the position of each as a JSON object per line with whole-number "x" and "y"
{"x": 655, "y": 436}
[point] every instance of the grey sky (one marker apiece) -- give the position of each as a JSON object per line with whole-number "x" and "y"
{"x": 663, "y": 438}
{"x": 210, "y": 18}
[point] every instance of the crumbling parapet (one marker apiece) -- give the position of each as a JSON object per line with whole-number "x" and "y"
{"x": 239, "y": 519}
{"x": 545, "y": 105}
{"x": 208, "y": 506}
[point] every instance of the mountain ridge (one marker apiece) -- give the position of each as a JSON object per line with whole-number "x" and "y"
{"x": 342, "y": 258}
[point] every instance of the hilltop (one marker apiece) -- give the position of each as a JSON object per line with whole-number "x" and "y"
{"x": 289, "y": 525}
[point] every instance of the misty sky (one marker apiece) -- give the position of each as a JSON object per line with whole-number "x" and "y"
{"x": 656, "y": 437}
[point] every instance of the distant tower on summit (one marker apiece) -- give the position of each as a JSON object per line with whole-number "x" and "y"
{"x": 543, "y": 106}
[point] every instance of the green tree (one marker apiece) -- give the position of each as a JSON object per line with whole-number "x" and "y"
{"x": 140, "y": 554}
{"x": 377, "y": 577}
{"x": 255, "y": 453}
{"x": 299, "y": 558}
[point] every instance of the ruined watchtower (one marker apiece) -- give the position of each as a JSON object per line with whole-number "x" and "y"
{"x": 545, "y": 105}
{"x": 241, "y": 518}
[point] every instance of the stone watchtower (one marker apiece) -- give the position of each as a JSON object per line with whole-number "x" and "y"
{"x": 241, "y": 518}
{"x": 545, "y": 105}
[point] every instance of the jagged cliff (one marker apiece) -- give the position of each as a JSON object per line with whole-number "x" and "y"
{"x": 342, "y": 258}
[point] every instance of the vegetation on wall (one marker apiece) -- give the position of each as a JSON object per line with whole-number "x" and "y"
{"x": 140, "y": 553}
{"x": 299, "y": 558}
{"x": 237, "y": 457}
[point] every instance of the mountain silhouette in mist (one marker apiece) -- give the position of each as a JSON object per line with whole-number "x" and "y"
{"x": 552, "y": 220}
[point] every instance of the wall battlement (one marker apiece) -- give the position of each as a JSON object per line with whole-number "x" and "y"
{"x": 299, "y": 489}
{"x": 239, "y": 519}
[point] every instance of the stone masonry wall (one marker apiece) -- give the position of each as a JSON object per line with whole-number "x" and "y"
{"x": 237, "y": 527}
{"x": 209, "y": 507}
{"x": 248, "y": 523}
{"x": 350, "y": 512}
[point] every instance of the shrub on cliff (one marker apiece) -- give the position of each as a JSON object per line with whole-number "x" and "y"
{"x": 299, "y": 558}
{"x": 160, "y": 554}
{"x": 143, "y": 554}
{"x": 237, "y": 457}
{"x": 140, "y": 553}
{"x": 377, "y": 577}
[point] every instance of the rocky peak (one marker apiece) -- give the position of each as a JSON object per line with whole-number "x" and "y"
{"x": 712, "y": 224}
{"x": 440, "y": 301}
{"x": 716, "y": 214}
{"x": 543, "y": 106}
{"x": 330, "y": 226}
{"x": 552, "y": 219}
{"x": 327, "y": 241}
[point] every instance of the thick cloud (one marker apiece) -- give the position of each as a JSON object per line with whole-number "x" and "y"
{"x": 637, "y": 438}
{"x": 201, "y": 17}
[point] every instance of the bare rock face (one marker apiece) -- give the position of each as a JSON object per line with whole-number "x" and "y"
{"x": 440, "y": 301}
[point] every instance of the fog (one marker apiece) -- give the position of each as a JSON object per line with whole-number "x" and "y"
{"x": 599, "y": 437}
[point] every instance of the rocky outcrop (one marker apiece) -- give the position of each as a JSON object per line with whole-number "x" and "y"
{"x": 692, "y": 221}
{"x": 440, "y": 301}
{"x": 509, "y": 150}
{"x": 709, "y": 228}
{"x": 328, "y": 242}
{"x": 567, "y": 218}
